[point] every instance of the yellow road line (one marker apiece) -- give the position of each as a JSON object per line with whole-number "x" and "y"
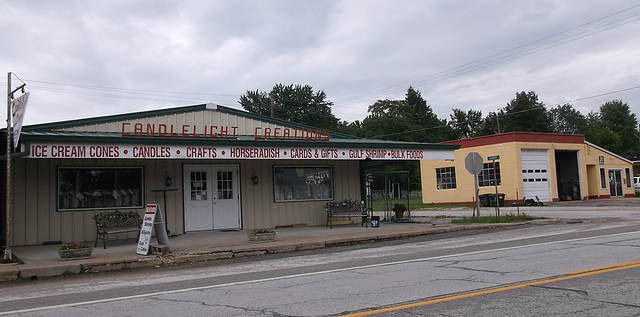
{"x": 604, "y": 267}
{"x": 572, "y": 275}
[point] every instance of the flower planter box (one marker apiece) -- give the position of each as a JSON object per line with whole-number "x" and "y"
{"x": 261, "y": 237}
{"x": 74, "y": 254}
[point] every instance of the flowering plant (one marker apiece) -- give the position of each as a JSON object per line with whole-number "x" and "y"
{"x": 74, "y": 245}
{"x": 399, "y": 208}
{"x": 261, "y": 231}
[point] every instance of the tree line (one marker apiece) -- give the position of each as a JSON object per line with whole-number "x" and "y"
{"x": 613, "y": 127}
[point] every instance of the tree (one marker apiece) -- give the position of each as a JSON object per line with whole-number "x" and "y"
{"x": 610, "y": 140}
{"x": 352, "y": 128}
{"x": 592, "y": 128}
{"x": 465, "y": 123}
{"x": 491, "y": 124}
{"x": 526, "y": 114}
{"x": 565, "y": 119}
{"x": 419, "y": 112}
{"x": 299, "y": 104}
{"x": 616, "y": 116}
{"x": 411, "y": 119}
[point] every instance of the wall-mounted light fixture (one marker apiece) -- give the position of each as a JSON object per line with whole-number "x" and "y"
{"x": 255, "y": 179}
{"x": 167, "y": 180}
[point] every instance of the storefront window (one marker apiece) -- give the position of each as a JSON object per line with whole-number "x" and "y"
{"x": 99, "y": 188}
{"x": 446, "y": 177}
{"x": 487, "y": 177}
{"x": 296, "y": 183}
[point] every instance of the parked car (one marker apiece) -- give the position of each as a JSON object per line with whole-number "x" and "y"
{"x": 636, "y": 183}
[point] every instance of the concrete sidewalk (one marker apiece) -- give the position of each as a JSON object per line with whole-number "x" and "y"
{"x": 43, "y": 260}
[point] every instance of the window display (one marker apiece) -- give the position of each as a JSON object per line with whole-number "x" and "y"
{"x": 96, "y": 188}
{"x": 297, "y": 183}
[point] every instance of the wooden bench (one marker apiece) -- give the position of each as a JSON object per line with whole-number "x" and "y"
{"x": 114, "y": 222}
{"x": 346, "y": 209}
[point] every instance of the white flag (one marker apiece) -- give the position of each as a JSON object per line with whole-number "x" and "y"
{"x": 18, "y": 108}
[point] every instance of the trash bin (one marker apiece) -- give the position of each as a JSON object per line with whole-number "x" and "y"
{"x": 375, "y": 221}
{"x": 483, "y": 200}
{"x": 491, "y": 200}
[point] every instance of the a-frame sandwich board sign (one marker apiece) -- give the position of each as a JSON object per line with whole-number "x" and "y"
{"x": 152, "y": 221}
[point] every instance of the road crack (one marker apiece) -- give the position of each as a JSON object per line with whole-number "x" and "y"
{"x": 581, "y": 292}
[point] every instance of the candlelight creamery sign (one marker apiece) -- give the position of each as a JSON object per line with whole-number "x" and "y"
{"x": 219, "y": 132}
{"x": 127, "y": 151}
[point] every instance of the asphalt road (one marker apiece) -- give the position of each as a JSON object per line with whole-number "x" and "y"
{"x": 582, "y": 269}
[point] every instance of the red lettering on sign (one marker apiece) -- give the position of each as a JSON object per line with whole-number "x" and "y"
{"x": 124, "y": 125}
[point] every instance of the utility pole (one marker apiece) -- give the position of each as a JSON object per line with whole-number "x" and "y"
{"x": 271, "y": 102}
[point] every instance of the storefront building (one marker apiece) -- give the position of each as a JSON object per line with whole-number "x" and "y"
{"x": 218, "y": 168}
{"x": 541, "y": 166}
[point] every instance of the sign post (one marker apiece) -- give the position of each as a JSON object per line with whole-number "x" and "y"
{"x": 493, "y": 159}
{"x": 473, "y": 163}
{"x": 152, "y": 221}
{"x": 11, "y": 103}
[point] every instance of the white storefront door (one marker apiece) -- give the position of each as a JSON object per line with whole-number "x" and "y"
{"x": 211, "y": 197}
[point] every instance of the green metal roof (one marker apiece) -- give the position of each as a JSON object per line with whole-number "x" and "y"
{"x": 169, "y": 111}
{"x": 50, "y": 132}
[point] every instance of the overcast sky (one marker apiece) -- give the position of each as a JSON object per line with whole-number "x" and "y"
{"x": 83, "y": 59}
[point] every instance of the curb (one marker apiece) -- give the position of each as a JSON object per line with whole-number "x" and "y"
{"x": 10, "y": 272}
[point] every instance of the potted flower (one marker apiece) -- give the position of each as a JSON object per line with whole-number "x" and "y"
{"x": 399, "y": 209}
{"x": 75, "y": 250}
{"x": 261, "y": 235}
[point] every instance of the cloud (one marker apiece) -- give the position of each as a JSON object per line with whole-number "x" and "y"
{"x": 84, "y": 59}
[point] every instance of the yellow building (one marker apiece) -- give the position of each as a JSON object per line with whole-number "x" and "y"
{"x": 541, "y": 166}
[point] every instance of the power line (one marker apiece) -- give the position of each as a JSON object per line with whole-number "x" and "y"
{"x": 501, "y": 57}
{"x": 513, "y": 113}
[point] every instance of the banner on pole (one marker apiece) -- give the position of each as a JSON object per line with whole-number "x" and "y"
{"x": 18, "y": 108}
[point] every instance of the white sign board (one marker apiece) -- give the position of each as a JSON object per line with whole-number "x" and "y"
{"x": 148, "y": 220}
{"x": 152, "y": 220}
{"x": 198, "y": 152}
{"x": 18, "y": 108}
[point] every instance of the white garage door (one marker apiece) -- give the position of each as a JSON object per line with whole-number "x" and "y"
{"x": 535, "y": 174}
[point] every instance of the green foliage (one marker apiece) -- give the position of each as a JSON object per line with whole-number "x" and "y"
{"x": 526, "y": 114}
{"x": 609, "y": 140}
{"x": 613, "y": 127}
{"x": 565, "y": 119}
{"x": 465, "y": 124}
{"x": 490, "y": 124}
{"x": 411, "y": 119}
{"x": 299, "y": 104}
{"x": 262, "y": 231}
{"x": 616, "y": 116}
{"x": 74, "y": 245}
